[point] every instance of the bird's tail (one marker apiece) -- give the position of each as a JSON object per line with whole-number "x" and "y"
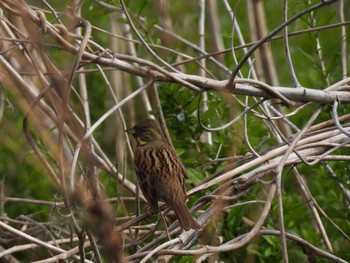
{"x": 186, "y": 220}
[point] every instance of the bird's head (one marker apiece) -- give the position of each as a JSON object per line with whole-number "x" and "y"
{"x": 146, "y": 131}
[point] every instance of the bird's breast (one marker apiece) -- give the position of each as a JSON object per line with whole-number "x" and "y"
{"x": 162, "y": 165}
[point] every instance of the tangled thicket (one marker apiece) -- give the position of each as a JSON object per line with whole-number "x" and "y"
{"x": 260, "y": 150}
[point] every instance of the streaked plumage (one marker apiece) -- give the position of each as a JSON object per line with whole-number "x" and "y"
{"x": 160, "y": 172}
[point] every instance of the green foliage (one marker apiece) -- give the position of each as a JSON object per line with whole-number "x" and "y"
{"x": 23, "y": 175}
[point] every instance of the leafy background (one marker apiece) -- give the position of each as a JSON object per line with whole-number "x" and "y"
{"x": 24, "y": 177}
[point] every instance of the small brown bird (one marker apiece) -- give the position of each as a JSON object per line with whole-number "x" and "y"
{"x": 159, "y": 172}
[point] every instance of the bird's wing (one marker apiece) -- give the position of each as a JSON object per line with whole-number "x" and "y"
{"x": 183, "y": 176}
{"x": 178, "y": 169}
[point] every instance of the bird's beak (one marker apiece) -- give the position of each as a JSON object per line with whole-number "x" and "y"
{"x": 130, "y": 130}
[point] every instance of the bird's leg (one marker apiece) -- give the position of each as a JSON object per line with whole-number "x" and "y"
{"x": 165, "y": 224}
